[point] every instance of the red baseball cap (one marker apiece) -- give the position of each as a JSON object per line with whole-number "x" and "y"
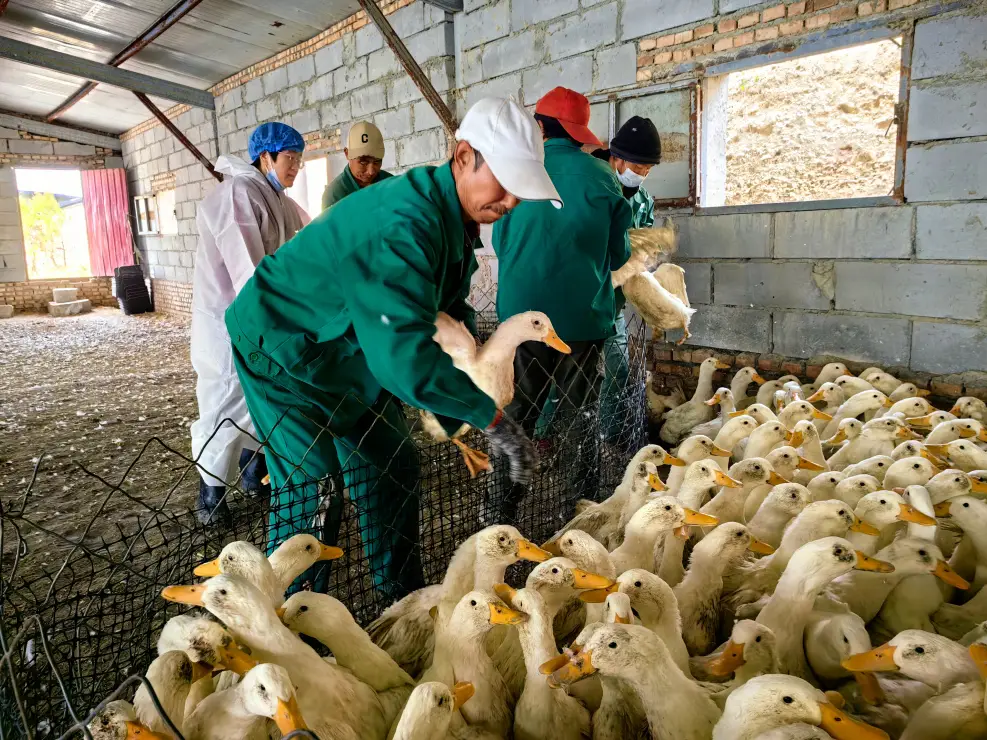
{"x": 571, "y": 110}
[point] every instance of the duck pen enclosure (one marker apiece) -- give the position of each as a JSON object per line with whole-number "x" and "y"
{"x": 82, "y": 610}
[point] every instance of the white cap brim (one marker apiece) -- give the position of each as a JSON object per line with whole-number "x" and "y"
{"x": 525, "y": 179}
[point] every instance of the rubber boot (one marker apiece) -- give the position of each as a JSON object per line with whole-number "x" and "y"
{"x": 253, "y": 469}
{"x": 212, "y": 508}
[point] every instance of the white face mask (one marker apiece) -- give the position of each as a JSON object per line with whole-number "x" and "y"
{"x": 630, "y": 179}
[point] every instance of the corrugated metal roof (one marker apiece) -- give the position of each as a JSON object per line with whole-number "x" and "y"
{"x": 214, "y": 41}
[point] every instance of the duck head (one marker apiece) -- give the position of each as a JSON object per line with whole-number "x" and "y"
{"x": 852, "y": 488}
{"x": 913, "y": 556}
{"x": 881, "y": 509}
{"x": 876, "y": 466}
{"x": 430, "y": 709}
{"x": 969, "y": 407}
{"x": 851, "y": 385}
{"x": 620, "y": 650}
{"x": 118, "y": 721}
{"x": 477, "y": 613}
{"x": 829, "y": 394}
{"x": 884, "y": 382}
{"x": 755, "y": 471}
{"x": 907, "y": 390}
{"x": 267, "y": 691}
{"x": 243, "y": 560}
{"x": 823, "y": 486}
{"x": 656, "y": 455}
{"x": 504, "y": 545}
{"x": 304, "y": 611}
{"x": 651, "y": 598}
{"x": 760, "y": 413}
{"x": 923, "y": 656}
{"x": 297, "y": 554}
{"x": 789, "y": 498}
{"x": 750, "y": 644}
{"x": 968, "y": 512}
{"x": 585, "y": 551}
{"x": 617, "y": 609}
{"x": 205, "y": 642}
{"x": 951, "y": 483}
{"x": 830, "y": 372}
{"x": 534, "y": 326}
{"x": 698, "y": 447}
{"x": 558, "y": 580}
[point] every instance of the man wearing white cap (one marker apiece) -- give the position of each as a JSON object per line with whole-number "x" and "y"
{"x": 336, "y": 328}
{"x": 364, "y": 153}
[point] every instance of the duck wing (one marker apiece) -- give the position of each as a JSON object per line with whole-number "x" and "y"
{"x": 672, "y": 279}
{"x": 405, "y": 630}
{"x": 455, "y": 340}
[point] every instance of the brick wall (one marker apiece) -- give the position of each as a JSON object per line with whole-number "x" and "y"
{"x": 34, "y": 295}
{"x": 19, "y": 148}
{"x": 172, "y": 297}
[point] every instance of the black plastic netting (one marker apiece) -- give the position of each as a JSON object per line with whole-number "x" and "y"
{"x": 95, "y": 592}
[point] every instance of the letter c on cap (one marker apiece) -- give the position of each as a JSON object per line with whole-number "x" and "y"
{"x": 364, "y": 138}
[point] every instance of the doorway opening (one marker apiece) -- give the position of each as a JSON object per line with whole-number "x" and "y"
{"x": 53, "y": 219}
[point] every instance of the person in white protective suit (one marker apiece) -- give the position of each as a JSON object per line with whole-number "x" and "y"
{"x": 246, "y": 217}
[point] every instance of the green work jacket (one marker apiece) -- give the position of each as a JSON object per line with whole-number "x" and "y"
{"x": 642, "y": 209}
{"x": 348, "y": 306}
{"x": 558, "y": 261}
{"x": 345, "y": 184}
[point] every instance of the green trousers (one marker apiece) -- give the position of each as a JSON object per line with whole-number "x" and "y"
{"x": 614, "y": 397}
{"x": 311, "y": 463}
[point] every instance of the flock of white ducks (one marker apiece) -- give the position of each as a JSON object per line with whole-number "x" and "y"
{"x": 810, "y": 567}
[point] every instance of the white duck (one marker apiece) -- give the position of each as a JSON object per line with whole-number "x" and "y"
{"x": 765, "y": 438}
{"x": 680, "y": 420}
{"x": 962, "y": 454}
{"x": 655, "y": 605}
{"x": 429, "y": 712}
{"x": 782, "y": 504}
{"x": 741, "y": 382}
{"x": 766, "y": 393}
{"x": 334, "y": 703}
{"x": 909, "y": 471}
{"x": 490, "y": 367}
{"x": 823, "y": 487}
{"x": 831, "y": 396}
{"x": 296, "y": 555}
{"x": 541, "y": 712}
{"x": 661, "y": 299}
{"x": 853, "y": 488}
{"x": 950, "y": 430}
{"x": 922, "y": 656}
{"x": 406, "y": 629}
{"x": 878, "y": 437}
{"x": 172, "y": 676}
{"x": 970, "y": 514}
{"x": 774, "y": 702}
{"x": 876, "y": 466}
{"x": 800, "y": 410}
{"x": 848, "y": 431}
{"x": 811, "y": 449}
{"x": 969, "y": 407}
{"x": 886, "y": 383}
{"x": 661, "y": 514}
{"x": 675, "y": 706}
{"x": 245, "y": 711}
{"x": 461, "y": 655}
{"x": 908, "y": 390}
{"x": 724, "y": 399}
{"x": 830, "y": 372}
{"x": 733, "y": 437}
{"x": 851, "y": 385}
{"x": 864, "y": 402}
{"x": 694, "y": 449}
{"x": 728, "y": 504}
{"x": 811, "y": 568}
{"x": 656, "y": 403}
{"x": 884, "y": 509}
{"x": 788, "y": 463}
{"x": 751, "y": 651}
{"x": 118, "y": 721}
{"x": 699, "y": 592}
{"x": 910, "y": 408}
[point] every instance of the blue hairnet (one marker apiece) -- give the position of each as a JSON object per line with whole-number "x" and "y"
{"x": 274, "y": 138}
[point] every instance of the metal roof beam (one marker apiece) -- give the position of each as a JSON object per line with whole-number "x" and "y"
{"x": 59, "y": 131}
{"x": 39, "y": 56}
{"x": 160, "y": 25}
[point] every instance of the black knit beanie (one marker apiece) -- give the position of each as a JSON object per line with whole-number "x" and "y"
{"x": 637, "y": 141}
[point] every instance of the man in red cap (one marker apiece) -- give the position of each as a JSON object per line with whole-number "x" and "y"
{"x": 559, "y": 262}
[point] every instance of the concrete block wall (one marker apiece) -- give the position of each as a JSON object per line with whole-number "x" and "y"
{"x": 156, "y": 161}
{"x": 903, "y": 286}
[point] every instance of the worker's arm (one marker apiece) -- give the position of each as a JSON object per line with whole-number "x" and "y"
{"x": 646, "y": 217}
{"x": 241, "y": 240}
{"x": 392, "y": 300}
{"x": 461, "y": 309}
{"x": 619, "y": 245}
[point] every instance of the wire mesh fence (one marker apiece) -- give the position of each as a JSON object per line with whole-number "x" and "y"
{"x": 81, "y": 609}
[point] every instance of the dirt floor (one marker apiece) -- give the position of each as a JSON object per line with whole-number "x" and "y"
{"x": 814, "y": 128}
{"x": 92, "y": 389}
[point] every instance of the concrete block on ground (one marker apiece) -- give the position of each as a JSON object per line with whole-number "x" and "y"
{"x": 394, "y": 123}
{"x": 939, "y": 291}
{"x": 302, "y": 70}
{"x": 6, "y": 311}
{"x": 946, "y": 171}
{"x": 697, "y": 282}
{"x": 329, "y": 58}
{"x": 275, "y": 81}
{"x": 948, "y": 348}
{"x": 857, "y": 338}
{"x": 953, "y": 232}
{"x": 762, "y": 284}
{"x": 847, "y": 233}
{"x": 64, "y": 295}
{"x": 947, "y": 111}
{"x": 512, "y": 53}
{"x": 579, "y": 33}
{"x": 29, "y": 146}
{"x": 644, "y": 17}
{"x": 71, "y": 149}
{"x": 525, "y": 13}
{"x": 487, "y": 24}
{"x": 350, "y": 78}
{"x": 576, "y": 73}
{"x": 427, "y": 146}
{"x": 733, "y": 236}
{"x": 367, "y": 100}
{"x": 72, "y": 308}
{"x": 616, "y": 67}
{"x": 730, "y": 328}
{"x": 949, "y": 45}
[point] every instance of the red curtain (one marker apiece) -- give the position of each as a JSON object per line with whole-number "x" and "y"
{"x": 104, "y": 198}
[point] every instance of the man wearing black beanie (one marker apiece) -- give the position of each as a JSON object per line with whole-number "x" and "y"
{"x": 633, "y": 152}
